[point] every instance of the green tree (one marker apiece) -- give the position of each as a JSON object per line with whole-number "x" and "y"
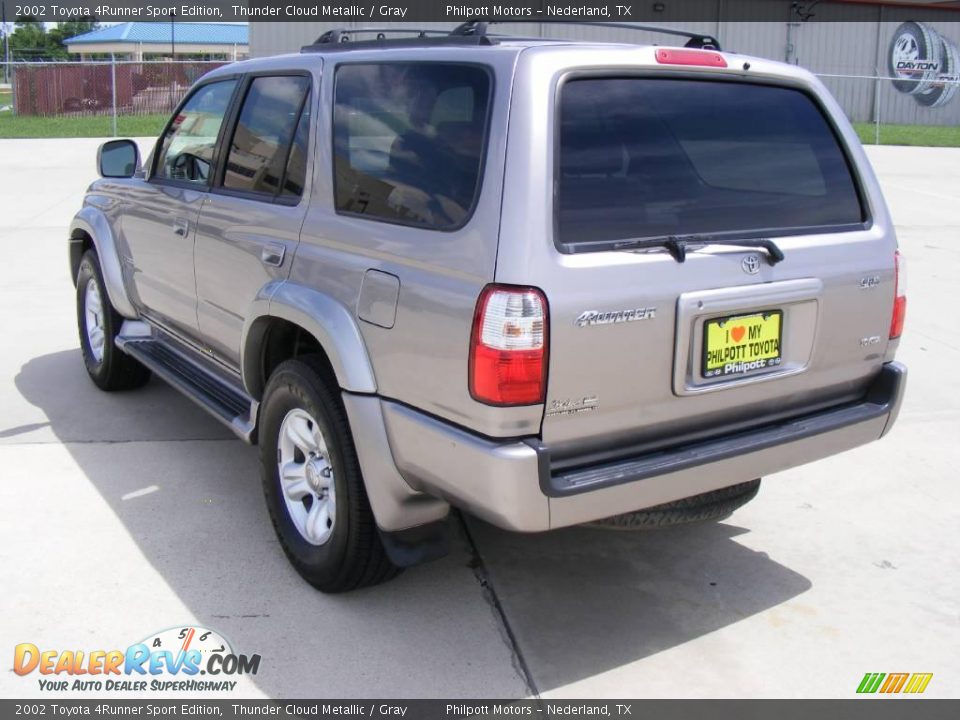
{"x": 31, "y": 40}
{"x": 66, "y": 30}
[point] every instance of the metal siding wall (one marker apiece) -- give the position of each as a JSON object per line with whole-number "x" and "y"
{"x": 760, "y": 39}
{"x": 826, "y": 48}
{"x": 841, "y": 48}
{"x": 836, "y": 48}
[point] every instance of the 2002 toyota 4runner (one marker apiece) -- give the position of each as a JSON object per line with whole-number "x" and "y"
{"x": 543, "y": 281}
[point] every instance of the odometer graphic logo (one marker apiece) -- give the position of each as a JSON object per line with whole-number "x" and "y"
{"x": 187, "y": 658}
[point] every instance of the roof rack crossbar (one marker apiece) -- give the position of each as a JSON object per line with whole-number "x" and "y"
{"x": 479, "y": 28}
{"x": 343, "y": 34}
{"x": 341, "y": 39}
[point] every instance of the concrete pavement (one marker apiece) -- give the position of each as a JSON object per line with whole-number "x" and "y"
{"x": 125, "y": 514}
{"x": 129, "y": 513}
{"x": 835, "y": 568}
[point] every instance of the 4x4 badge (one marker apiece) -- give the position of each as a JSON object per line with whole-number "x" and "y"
{"x": 751, "y": 264}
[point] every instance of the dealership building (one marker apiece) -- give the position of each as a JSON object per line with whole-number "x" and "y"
{"x": 896, "y": 61}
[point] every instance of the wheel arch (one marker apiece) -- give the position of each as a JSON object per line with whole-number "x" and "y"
{"x": 287, "y": 319}
{"x": 80, "y": 242}
{"x": 90, "y": 228}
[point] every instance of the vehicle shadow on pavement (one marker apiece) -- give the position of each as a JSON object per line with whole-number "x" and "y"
{"x": 586, "y": 600}
{"x": 579, "y": 602}
{"x": 195, "y": 511}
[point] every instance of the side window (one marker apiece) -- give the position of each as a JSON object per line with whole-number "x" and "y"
{"x": 408, "y": 141}
{"x": 186, "y": 150}
{"x": 265, "y": 130}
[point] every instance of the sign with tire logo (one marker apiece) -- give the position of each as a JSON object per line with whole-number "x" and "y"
{"x": 924, "y": 63}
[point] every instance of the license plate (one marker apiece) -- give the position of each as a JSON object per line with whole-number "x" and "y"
{"x": 743, "y": 344}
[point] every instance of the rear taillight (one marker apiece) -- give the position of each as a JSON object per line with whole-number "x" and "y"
{"x": 677, "y": 56}
{"x": 508, "y": 346}
{"x": 899, "y": 296}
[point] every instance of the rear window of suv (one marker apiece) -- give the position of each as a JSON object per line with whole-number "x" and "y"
{"x": 653, "y": 157}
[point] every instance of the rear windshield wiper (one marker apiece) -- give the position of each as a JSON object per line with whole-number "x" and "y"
{"x": 676, "y": 245}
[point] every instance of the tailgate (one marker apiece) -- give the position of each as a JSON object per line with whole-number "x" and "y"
{"x": 651, "y": 348}
{"x": 637, "y": 369}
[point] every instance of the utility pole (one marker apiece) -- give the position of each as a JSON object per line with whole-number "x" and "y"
{"x": 173, "y": 59}
{"x": 6, "y": 45}
{"x": 113, "y": 92}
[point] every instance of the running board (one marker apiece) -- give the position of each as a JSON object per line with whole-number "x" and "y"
{"x": 214, "y": 393}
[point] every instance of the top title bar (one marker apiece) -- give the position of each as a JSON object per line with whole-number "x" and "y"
{"x": 363, "y": 11}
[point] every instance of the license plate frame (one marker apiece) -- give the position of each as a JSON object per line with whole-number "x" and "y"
{"x": 733, "y": 364}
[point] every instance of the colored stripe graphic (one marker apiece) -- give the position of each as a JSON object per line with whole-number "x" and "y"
{"x": 870, "y": 682}
{"x": 918, "y": 682}
{"x": 894, "y": 683}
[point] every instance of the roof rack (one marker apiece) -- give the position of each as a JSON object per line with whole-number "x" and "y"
{"x": 342, "y": 39}
{"x": 478, "y": 28}
{"x": 475, "y": 32}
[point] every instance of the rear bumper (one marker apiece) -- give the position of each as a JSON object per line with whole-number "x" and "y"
{"x": 514, "y": 485}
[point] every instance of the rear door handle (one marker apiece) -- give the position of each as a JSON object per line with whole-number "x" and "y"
{"x": 272, "y": 254}
{"x": 181, "y": 226}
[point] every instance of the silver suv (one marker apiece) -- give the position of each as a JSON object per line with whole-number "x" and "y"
{"x": 545, "y": 282}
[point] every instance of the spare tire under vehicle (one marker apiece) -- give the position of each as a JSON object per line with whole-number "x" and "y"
{"x": 713, "y": 505}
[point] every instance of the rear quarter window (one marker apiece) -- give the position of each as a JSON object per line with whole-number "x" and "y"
{"x": 408, "y": 141}
{"x": 654, "y": 157}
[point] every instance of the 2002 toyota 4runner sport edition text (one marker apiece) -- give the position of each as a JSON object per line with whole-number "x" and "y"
{"x": 545, "y": 282}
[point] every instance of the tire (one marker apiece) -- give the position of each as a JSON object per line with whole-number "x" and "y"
{"x": 108, "y": 366}
{"x": 942, "y": 93}
{"x": 710, "y": 506}
{"x": 320, "y": 511}
{"x": 912, "y": 41}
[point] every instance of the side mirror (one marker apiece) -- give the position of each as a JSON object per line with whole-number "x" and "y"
{"x": 118, "y": 159}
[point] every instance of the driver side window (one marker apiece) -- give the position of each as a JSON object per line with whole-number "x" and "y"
{"x": 186, "y": 151}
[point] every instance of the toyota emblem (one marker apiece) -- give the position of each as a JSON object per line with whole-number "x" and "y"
{"x": 751, "y": 264}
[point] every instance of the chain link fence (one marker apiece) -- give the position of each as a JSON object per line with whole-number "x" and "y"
{"x": 899, "y": 111}
{"x": 53, "y": 99}
{"x": 112, "y": 90}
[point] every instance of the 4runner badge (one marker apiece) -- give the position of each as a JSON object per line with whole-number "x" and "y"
{"x": 593, "y": 317}
{"x": 573, "y": 406}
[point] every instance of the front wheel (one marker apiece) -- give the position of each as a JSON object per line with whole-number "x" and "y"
{"x": 313, "y": 485}
{"x": 98, "y": 323}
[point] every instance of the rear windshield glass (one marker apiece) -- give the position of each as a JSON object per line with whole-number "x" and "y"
{"x": 643, "y": 157}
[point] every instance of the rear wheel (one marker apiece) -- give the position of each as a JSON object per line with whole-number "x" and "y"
{"x": 709, "y": 506}
{"x": 98, "y": 323}
{"x": 313, "y": 485}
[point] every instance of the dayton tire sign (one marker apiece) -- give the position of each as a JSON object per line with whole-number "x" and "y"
{"x": 924, "y": 63}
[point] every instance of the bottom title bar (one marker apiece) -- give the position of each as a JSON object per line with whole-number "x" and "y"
{"x": 876, "y": 709}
